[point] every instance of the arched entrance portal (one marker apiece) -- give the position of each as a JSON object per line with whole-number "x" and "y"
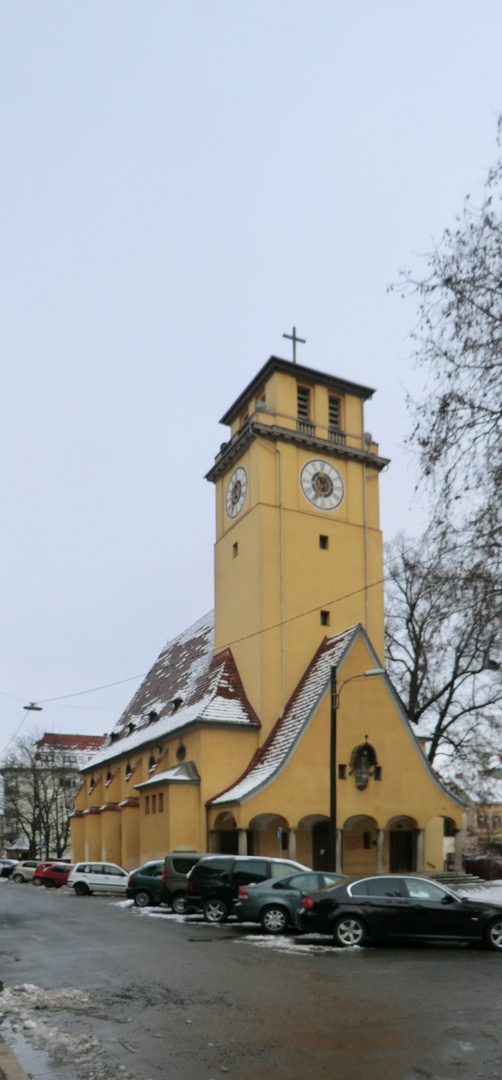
{"x": 402, "y": 845}
{"x": 360, "y": 842}
{"x": 312, "y": 842}
{"x": 225, "y": 835}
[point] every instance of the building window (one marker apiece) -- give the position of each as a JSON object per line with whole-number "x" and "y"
{"x": 482, "y": 822}
{"x": 334, "y": 413}
{"x": 161, "y": 802}
{"x": 235, "y": 550}
{"x": 342, "y": 772}
{"x": 303, "y": 398}
{"x": 324, "y": 618}
{"x": 324, "y": 543}
{"x": 377, "y": 772}
{"x": 260, "y": 396}
{"x": 147, "y": 804}
{"x": 154, "y": 804}
{"x": 128, "y": 770}
{"x": 152, "y": 763}
{"x": 181, "y": 753}
{"x": 366, "y": 840}
{"x": 496, "y": 821}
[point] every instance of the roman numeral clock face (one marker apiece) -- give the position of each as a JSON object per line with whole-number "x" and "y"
{"x": 321, "y": 484}
{"x": 236, "y": 491}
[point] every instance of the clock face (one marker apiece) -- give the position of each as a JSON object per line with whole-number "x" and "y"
{"x": 321, "y": 484}
{"x": 236, "y": 491}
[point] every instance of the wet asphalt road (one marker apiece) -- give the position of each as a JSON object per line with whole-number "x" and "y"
{"x": 180, "y": 1000}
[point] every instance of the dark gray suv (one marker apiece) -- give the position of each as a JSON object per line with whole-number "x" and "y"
{"x": 177, "y": 865}
{"x": 213, "y": 884}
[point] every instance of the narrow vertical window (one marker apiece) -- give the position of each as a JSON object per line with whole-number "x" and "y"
{"x": 324, "y": 543}
{"x": 235, "y": 550}
{"x": 147, "y": 804}
{"x": 161, "y": 802}
{"x": 324, "y": 618}
{"x": 303, "y": 403}
{"x": 154, "y": 804}
{"x": 334, "y": 412}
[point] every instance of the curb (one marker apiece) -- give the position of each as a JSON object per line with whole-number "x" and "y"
{"x": 10, "y": 1069}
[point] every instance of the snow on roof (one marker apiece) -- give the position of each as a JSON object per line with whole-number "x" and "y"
{"x": 186, "y": 685}
{"x": 271, "y": 758}
{"x": 186, "y": 773}
{"x": 54, "y": 741}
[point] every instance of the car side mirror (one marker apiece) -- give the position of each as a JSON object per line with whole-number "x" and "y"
{"x": 448, "y": 899}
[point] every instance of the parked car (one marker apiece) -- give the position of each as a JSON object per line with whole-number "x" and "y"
{"x": 177, "y": 866}
{"x": 52, "y": 875}
{"x": 400, "y": 908}
{"x": 144, "y": 885}
{"x": 213, "y": 884}
{"x": 25, "y": 870}
{"x": 97, "y": 877}
{"x": 163, "y": 882}
{"x": 7, "y": 866}
{"x": 275, "y": 904}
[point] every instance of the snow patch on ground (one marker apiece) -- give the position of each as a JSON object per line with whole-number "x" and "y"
{"x": 23, "y": 1007}
{"x": 297, "y": 946}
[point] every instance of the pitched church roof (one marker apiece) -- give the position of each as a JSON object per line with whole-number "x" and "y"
{"x": 271, "y": 758}
{"x": 187, "y": 685}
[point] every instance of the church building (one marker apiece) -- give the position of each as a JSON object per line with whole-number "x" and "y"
{"x": 269, "y": 726}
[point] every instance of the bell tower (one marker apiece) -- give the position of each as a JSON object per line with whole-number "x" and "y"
{"x": 298, "y": 554}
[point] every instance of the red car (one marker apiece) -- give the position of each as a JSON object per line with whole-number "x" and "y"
{"x": 52, "y": 875}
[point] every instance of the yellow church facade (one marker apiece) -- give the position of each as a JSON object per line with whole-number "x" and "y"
{"x": 270, "y": 726}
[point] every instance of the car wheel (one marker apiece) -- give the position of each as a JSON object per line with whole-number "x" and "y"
{"x": 49, "y": 884}
{"x": 493, "y": 935}
{"x": 81, "y": 889}
{"x": 179, "y": 903}
{"x": 274, "y": 920}
{"x": 36, "y": 881}
{"x": 18, "y": 878}
{"x": 142, "y": 898}
{"x": 349, "y": 931}
{"x": 215, "y": 911}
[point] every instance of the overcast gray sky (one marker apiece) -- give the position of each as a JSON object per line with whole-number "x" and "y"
{"x": 183, "y": 182}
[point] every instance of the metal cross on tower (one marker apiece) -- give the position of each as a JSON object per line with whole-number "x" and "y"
{"x": 292, "y": 337}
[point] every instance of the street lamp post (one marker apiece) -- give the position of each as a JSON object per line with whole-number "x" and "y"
{"x": 335, "y": 704}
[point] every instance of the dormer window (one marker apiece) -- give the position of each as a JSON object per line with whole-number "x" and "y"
{"x": 128, "y": 771}
{"x": 153, "y": 716}
{"x": 152, "y": 763}
{"x": 131, "y": 727}
{"x": 177, "y": 703}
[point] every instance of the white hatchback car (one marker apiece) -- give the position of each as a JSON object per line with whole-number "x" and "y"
{"x": 98, "y": 877}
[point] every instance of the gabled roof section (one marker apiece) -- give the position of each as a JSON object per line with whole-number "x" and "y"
{"x": 186, "y": 773}
{"x": 276, "y": 751}
{"x": 299, "y": 371}
{"x": 187, "y": 685}
{"x": 271, "y": 758}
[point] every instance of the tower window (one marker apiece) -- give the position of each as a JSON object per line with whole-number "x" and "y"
{"x": 303, "y": 403}
{"x": 324, "y": 618}
{"x": 334, "y": 412}
{"x": 377, "y": 772}
{"x": 342, "y": 772}
{"x": 235, "y": 550}
{"x": 324, "y": 542}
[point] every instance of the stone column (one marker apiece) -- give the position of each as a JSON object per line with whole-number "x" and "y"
{"x": 457, "y": 864}
{"x": 292, "y": 844}
{"x": 243, "y": 842}
{"x": 339, "y": 852}
{"x": 420, "y": 850}
{"x": 380, "y": 851}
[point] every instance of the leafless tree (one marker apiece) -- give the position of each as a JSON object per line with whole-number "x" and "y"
{"x": 444, "y": 648}
{"x": 39, "y": 790}
{"x": 458, "y": 338}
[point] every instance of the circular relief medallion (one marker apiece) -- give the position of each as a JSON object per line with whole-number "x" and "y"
{"x": 236, "y": 491}
{"x": 321, "y": 484}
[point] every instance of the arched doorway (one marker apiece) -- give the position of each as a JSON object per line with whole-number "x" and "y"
{"x": 312, "y": 842}
{"x": 360, "y": 843}
{"x": 402, "y": 844}
{"x": 225, "y": 835}
{"x": 270, "y": 835}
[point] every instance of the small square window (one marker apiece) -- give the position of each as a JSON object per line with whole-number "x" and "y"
{"x": 324, "y": 618}
{"x": 235, "y": 550}
{"x": 324, "y": 542}
{"x": 342, "y": 772}
{"x": 377, "y": 772}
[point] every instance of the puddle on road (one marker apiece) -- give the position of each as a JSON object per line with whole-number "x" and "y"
{"x": 34, "y": 1062}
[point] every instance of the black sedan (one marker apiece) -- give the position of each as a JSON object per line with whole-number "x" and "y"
{"x": 396, "y": 908}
